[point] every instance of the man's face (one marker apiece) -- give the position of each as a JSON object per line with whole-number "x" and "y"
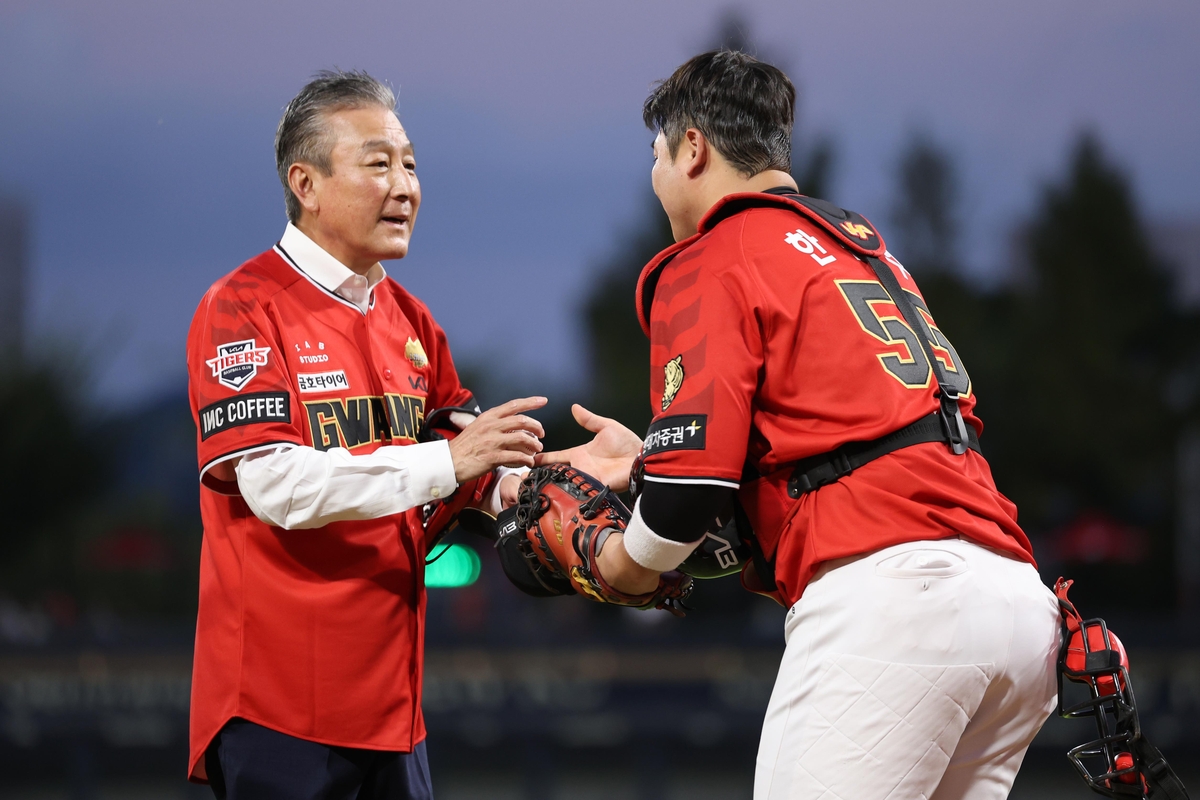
{"x": 368, "y": 203}
{"x": 670, "y": 185}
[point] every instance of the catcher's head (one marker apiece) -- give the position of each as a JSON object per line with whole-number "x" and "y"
{"x": 724, "y": 123}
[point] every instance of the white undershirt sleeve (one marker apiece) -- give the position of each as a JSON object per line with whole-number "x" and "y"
{"x": 491, "y": 504}
{"x": 649, "y": 549}
{"x": 300, "y": 487}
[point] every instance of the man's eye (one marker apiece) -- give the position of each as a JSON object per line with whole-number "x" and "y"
{"x": 379, "y": 164}
{"x": 410, "y": 165}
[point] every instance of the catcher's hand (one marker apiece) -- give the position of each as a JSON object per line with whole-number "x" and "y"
{"x": 550, "y": 540}
{"x": 608, "y": 456}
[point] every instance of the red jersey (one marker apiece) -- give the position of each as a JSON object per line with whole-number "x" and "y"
{"x": 771, "y": 341}
{"x": 315, "y": 633}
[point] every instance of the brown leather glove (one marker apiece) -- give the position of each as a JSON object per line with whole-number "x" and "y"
{"x": 560, "y": 522}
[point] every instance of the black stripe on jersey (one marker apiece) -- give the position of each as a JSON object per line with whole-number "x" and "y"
{"x": 231, "y": 487}
{"x": 707, "y": 480}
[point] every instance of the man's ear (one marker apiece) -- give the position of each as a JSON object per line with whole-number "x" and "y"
{"x": 696, "y": 147}
{"x": 301, "y": 180}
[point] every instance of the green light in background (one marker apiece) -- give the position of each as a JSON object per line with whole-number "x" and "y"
{"x": 455, "y": 565}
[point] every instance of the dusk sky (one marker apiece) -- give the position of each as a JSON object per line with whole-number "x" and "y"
{"x": 140, "y": 134}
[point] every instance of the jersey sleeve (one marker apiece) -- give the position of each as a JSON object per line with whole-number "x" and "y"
{"x": 238, "y": 383}
{"x": 705, "y": 356}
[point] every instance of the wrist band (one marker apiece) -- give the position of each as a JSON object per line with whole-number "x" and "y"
{"x": 649, "y": 549}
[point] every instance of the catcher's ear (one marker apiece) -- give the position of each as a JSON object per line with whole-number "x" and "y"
{"x": 696, "y": 148}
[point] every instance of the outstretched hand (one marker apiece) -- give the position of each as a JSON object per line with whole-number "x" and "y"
{"x": 500, "y": 436}
{"x": 608, "y": 457}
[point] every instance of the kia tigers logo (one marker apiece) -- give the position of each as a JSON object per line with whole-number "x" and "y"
{"x": 858, "y": 229}
{"x": 237, "y": 363}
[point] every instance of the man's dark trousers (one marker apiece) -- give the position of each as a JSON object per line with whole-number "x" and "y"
{"x": 249, "y": 762}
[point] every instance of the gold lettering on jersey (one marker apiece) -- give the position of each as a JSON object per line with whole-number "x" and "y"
{"x": 407, "y": 415}
{"x": 672, "y": 380}
{"x": 415, "y": 353}
{"x": 352, "y": 422}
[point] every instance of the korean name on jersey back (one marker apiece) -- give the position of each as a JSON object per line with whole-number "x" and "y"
{"x": 680, "y": 432}
{"x": 322, "y": 381}
{"x": 233, "y": 412}
{"x": 237, "y": 363}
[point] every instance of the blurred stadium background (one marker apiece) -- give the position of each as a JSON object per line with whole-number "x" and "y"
{"x": 1064, "y": 262}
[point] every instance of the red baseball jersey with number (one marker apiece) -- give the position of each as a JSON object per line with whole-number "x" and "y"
{"x": 770, "y": 341}
{"x": 315, "y": 633}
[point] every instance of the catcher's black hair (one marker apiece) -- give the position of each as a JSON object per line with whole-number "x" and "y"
{"x": 745, "y": 107}
{"x": 301, "y": 135}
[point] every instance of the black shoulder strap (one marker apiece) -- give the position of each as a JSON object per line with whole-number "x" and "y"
{"x": 955, "y": 427}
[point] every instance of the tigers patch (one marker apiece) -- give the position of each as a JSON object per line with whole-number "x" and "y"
{"x": 672, "y": 380}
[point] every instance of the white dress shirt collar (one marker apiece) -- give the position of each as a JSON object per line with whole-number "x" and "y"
{"x": 327, "y": 272}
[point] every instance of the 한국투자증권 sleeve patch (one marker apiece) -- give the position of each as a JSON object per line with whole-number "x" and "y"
{"x": 680, "y": 432}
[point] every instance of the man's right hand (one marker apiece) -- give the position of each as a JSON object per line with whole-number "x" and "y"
{"x": 499, "y": 437}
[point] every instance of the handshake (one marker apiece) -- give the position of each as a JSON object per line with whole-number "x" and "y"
{"x": 556, "y": 519}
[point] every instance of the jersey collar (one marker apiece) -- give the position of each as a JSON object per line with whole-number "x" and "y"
{"x": 327, "y": 272}
{"x": 837, "y": 221}
{"x": 719, "y": 211}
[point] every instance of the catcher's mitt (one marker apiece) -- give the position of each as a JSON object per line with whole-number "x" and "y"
{"x": 550, "y": 539}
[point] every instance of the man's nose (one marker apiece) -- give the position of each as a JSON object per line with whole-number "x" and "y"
{"x": 403, "y": 183}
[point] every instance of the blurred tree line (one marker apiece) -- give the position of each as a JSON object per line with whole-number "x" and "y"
{"x": 100, "y": 513}
{"x": 1084, "y": 362}
{"x": 1086, "y": 367}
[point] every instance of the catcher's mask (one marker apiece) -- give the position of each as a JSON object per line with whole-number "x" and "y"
{"x": 1120, "y": 762}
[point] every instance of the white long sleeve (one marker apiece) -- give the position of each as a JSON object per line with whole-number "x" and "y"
{"x": 492, "y": 503}
{"x": 300, "y": 487}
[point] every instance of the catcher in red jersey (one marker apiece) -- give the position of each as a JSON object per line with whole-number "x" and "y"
{"x": 311, "y": 377}
{"x": 799, "y": 379}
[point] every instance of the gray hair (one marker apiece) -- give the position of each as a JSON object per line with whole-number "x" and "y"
{"x": 302, "y": 135}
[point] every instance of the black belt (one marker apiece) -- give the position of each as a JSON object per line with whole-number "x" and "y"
{"x": 814, "y": 472}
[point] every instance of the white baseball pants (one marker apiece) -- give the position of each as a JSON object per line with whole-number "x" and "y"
{"x": 921, "y": 670}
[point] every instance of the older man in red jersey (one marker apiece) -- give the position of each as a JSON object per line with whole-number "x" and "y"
{"x": 796, "y": 371}
{"x": 311, "y": 372}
